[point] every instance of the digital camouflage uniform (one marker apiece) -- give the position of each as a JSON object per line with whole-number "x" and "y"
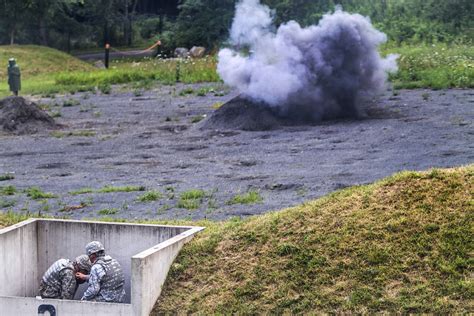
{"x": 14, "y": 76}
{"x": 59, "y": 281}
{"x": 106, "y": 281}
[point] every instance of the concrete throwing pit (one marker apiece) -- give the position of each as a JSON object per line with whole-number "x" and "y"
{"x": 145, "y": 252}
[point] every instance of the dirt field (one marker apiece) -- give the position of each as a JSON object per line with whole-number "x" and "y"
{"x": 155, "y": 140}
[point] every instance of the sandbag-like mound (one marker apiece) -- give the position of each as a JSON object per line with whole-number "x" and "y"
{"x": 243, "y": 114}
{"x": 19, "y": 116}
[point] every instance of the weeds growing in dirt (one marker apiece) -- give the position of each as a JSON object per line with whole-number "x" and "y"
{"x": 71, "y": 102}
{"x": 150, "y": 196}
{"x": 129, "y": 188}
{"x": 191, "y": 199}
{"x": 36, "y": 193}
{"x": 250, "y": 197}
{"x": 108, "y": 211}
{"x": 8, "y": 190}
{"x": 6, "y": 177}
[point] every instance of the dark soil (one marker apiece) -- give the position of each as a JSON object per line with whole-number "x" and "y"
{"x": 242, "y": 114}
{"x": 19, "y": 116}
{"x": 156, "y": 140}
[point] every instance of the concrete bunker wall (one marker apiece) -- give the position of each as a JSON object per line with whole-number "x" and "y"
{"x": 18, "y": 257}
{"x": 66, "y": 239}
{"x": 145, "y": 252}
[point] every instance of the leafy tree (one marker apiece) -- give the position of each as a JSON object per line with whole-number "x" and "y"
{"x": 12, "y": 12}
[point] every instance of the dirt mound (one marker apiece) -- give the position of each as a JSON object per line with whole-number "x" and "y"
{"x": 19, "y": 116}
{"x": 242, "y": 114}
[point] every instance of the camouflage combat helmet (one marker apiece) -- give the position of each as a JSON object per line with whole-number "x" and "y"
{"x": 94, "y": 247}
{"x": 83, "y": 262}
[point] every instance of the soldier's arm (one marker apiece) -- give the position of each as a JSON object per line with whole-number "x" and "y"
{"x": 96, "y": 275}
{"x": 68, "y": 284}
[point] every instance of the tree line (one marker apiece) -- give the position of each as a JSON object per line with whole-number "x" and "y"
{"x": 67, "y": 24}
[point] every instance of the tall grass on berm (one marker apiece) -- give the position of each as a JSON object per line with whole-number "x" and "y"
{"x": 165, "y": 71}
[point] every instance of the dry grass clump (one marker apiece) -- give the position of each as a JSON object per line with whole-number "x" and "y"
{"x": 401, "y": 245}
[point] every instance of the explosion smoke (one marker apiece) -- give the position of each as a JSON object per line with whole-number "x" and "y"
{"x": 318, "y": 72}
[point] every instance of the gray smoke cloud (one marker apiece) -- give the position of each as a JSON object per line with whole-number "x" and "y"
{"x": 307, "y": 73}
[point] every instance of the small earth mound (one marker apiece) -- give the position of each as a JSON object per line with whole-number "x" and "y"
{"x": 19, "y": 116}
{"x": 242, "y": 114}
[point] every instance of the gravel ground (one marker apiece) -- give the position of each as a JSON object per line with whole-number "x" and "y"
{"x": 154, "y": 140}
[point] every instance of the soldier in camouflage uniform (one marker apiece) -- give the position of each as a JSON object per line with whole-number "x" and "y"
{"x": 106, "y": 279}
{"x": 59, "y": 281}
{"x": 14, "y": 76}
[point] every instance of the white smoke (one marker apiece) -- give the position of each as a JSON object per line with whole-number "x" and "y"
{"x": 313, "y": 73}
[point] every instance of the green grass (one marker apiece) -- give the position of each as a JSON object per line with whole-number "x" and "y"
{"x": 8, "y": 190}
{"x": 6, "y": 177}
{"x": 433, "y": 66}
{"x": 71, "y": 102}
{"x": 150, "y": 196}
{"x": 109, "y": 189}
{"x": 129, "y": 188}
{"x": 250, "y": 197}
{"x": 108, "y": 211}
{"x": 47, "y": 71}
{"x": 191, "y": 199}
{"x": 82, "y": 191}
{"x": 402, "y": 245}
{"x": 36, "y": 193}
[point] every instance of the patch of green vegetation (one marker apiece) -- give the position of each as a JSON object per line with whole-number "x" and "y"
{"x": 7, "y": 203}
{"x": 150, "y": 196}
{"x": 71, "y": 102}
{"x": 250, "y": 197}
{"x": 436, "y": 66}
{"x": 104, "y": 87}
{"x": 109, "y": 189}
{"x": 82, "y": 191}
{"x": 6, "y": 177}
{"x": 36, "y": 193}
{"x": 81, "y": 133}
{"x": 191, "y": 199}
{"x": 8, "y": 190}
{"x": 138, "y": 92}
{"x": 186, "y": 91}
{"x": 129, "y": 188}
{"x": 108, "y": 211}
{"x": 9, "y": 218}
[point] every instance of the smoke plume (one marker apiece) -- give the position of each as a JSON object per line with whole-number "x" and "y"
{"x": 306, "y": 73}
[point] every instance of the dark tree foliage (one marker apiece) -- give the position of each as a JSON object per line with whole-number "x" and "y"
{"x": 70, "y": 24}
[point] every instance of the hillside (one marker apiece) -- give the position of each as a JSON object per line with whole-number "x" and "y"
{"x": 39, "y": 60}
{"x": 401, "y": 245}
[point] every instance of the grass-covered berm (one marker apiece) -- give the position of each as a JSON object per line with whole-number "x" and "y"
{"x": 401, "y": 245}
